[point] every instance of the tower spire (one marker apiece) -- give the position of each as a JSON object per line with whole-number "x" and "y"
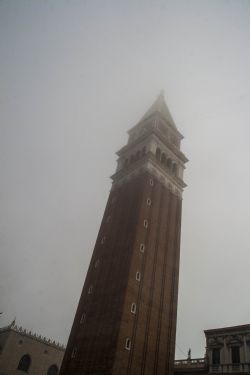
{"x": 159, "y": 106}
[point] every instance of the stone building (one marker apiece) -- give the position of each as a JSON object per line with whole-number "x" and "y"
{"x": 228, "y": 349}
{"x": 227, "y": 352}
{"x": 24, "y": 352}
{"x": 126, "y": 318}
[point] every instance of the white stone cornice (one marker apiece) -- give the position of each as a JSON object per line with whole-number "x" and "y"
{"x": 150, "y": 164}
{"x": 158, "y": 136}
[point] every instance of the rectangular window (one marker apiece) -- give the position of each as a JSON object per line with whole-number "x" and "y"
{"x": 216, "y": 356}
{"x": 138, "y": 276}
{"x": 142, "y": 248}
{"x": 128, "y": 344}
{"x": 235, "y": 354}
{"x": 133, "y": 308}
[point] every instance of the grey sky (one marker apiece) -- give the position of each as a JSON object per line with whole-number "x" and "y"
{"x": 74, "y": 77}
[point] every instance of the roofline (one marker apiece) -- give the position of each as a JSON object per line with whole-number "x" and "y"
{"x": 163, "y": 139}
{"x": 34, "y": 336}
{"x": 174, "y": 129}
{"x": 225, "y": 329}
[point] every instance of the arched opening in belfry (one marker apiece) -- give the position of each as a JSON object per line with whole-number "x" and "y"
{"x": 163, "y": 158}
{"x": 169, "y": 163}
{"x": 174, "y": 168}
{"x": 158, "y": 153}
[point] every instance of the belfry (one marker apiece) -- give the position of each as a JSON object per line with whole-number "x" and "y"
{"x": 126, "y": 318}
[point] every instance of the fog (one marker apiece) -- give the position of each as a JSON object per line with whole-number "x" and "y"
{"x": 74, "y": 77}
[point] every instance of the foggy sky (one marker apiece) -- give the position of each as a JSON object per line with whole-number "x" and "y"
{"x": 74, "y": 77}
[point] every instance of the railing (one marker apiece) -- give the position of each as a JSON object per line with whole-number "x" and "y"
{"x": 196, "y": 362}
{"x": 230, "y": 367}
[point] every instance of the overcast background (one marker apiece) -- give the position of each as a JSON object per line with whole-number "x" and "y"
{"x": 75, "y": 75}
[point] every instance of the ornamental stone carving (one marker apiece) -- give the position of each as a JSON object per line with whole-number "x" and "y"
{"x": 234, "y": 340}
{"x": 215, "y": 341}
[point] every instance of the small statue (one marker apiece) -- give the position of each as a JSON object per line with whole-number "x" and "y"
{"x": 189, "y": 354}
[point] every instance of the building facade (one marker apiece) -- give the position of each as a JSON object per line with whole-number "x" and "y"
{"x": 24, "y": 352}
{"x": 126, "y": 318}
{"x": 228, "y": 349}
{"x": 227, "y": 352}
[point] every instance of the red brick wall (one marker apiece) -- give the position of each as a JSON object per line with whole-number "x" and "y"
{"x": 100, "y": 340}
{"x": 152, "y": 329}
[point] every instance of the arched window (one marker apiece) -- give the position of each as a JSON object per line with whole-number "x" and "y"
{"x": 133, "y": 308}
{"x": 142, "y": 248}
{"x": 24, "y": 363}
{"x": 52, "y": 370}
{"x": 138, "y": 276}
{"x": 83, "y": 318}
{"x": 158, "y": 153}
{"x": 90, "y": 290}
{"x": 128, "y": 344}
{"x": 169, "y": 163}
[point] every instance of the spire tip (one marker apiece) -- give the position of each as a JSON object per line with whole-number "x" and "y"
{"x": 162, "y": 93}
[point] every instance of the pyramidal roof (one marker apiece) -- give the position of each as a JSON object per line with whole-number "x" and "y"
{"x": 160, "y": 106}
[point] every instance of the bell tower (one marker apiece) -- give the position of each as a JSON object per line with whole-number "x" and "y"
{"x": 126, "y": 318}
